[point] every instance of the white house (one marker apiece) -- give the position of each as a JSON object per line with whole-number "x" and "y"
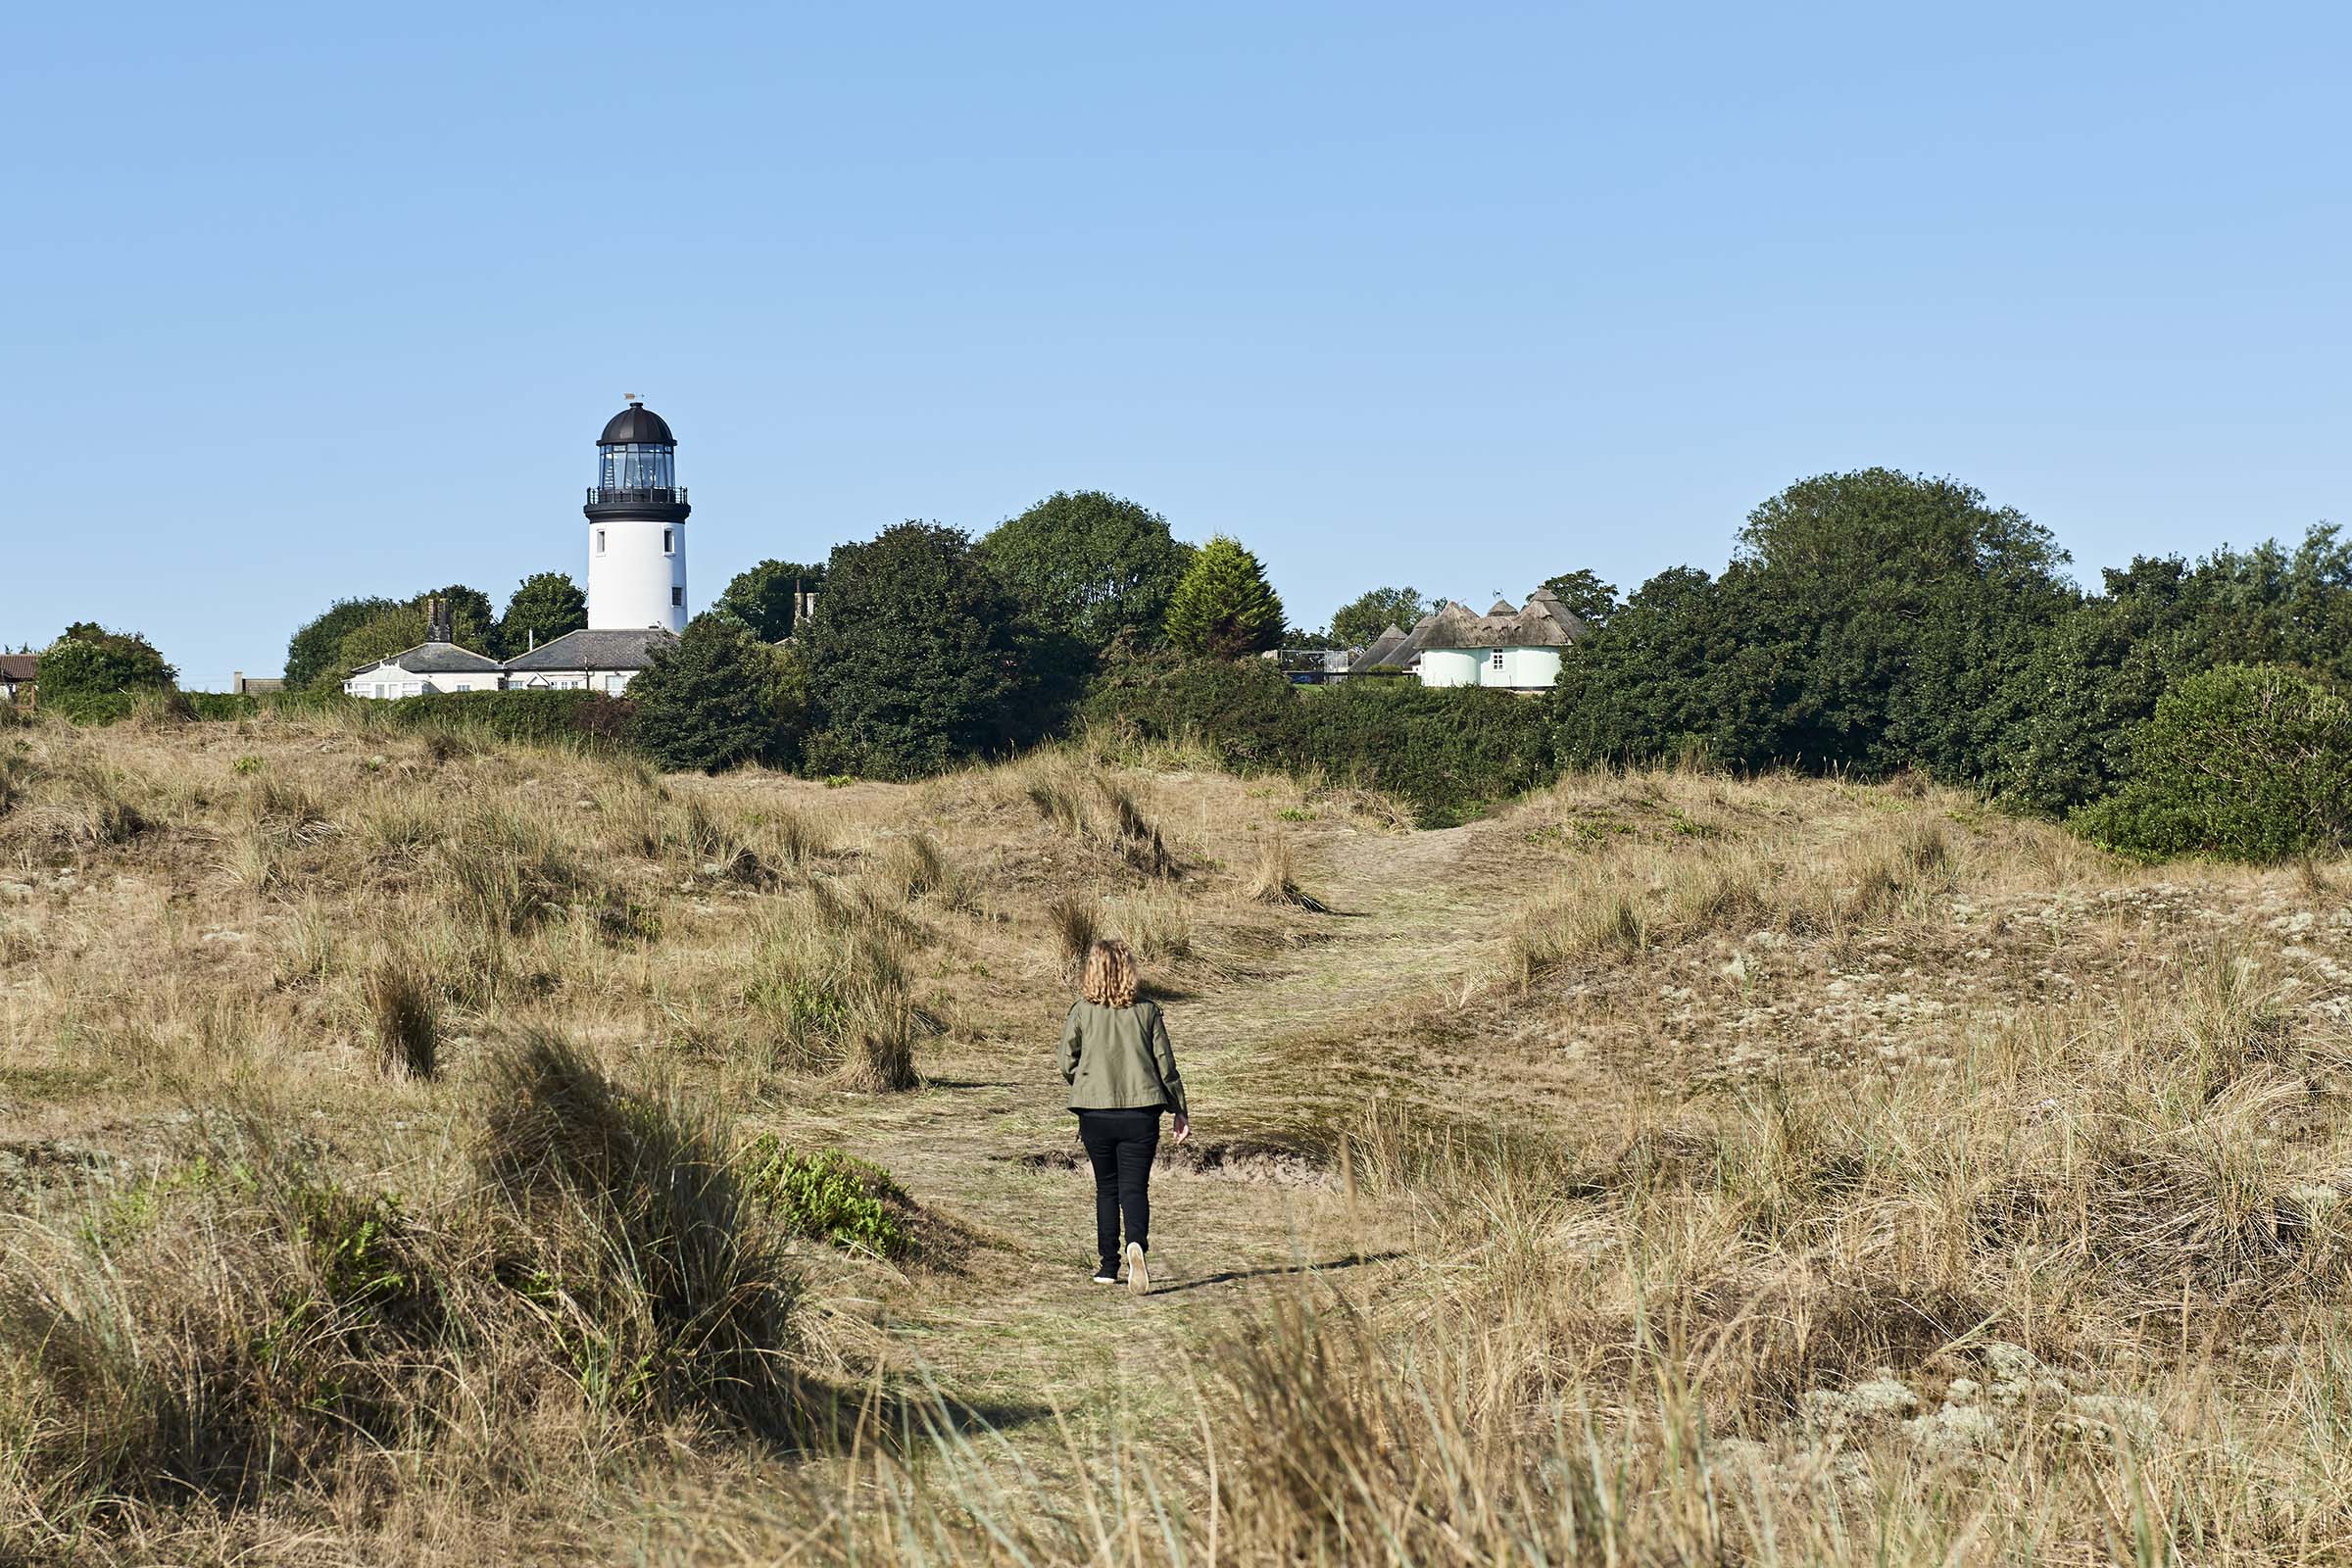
{"x": 436, "y": 664}
{"x": 1507, "y": 649}
{"x": 636, "y": 515}
{"x": 587, "y": 660}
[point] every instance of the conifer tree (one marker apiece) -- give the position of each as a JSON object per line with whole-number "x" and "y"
{"x": 1224, "y": 608}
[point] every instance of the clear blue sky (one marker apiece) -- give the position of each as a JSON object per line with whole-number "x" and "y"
{"x": 331, "y": 300}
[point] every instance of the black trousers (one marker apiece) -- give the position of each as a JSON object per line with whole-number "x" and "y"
{"x": 1120, "y": 1144}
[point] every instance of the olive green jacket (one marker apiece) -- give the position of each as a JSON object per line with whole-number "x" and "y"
{"x": 1118, "y": 1059}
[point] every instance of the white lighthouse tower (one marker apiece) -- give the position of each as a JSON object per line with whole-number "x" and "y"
{"x": 636, "y": 526}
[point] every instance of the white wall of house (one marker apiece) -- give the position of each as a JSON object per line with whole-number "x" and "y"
{"x": 1521, "y": 667}
{"x": 636, "y": 574}
{"x": 611, "y": 683}
{"x": 389, "y": 681}
{"x": 1450, "y": 666}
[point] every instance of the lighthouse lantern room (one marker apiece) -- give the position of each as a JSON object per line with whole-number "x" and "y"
{"x": 636, "y": 526}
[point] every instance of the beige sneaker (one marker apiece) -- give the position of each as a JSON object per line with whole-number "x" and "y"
{"x": 1139, "y": 1277}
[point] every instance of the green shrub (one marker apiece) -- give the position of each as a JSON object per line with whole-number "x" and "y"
{"x": 536, "y": 717}
{"x": 91, "y": 674}
{"x": 1448, "y": 752}
{"x": 830, "y": 1197}
{"x": 2249, "y": 761}
{"x": 717, "y": 697}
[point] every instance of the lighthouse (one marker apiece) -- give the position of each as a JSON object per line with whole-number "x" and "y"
{"x": 636, "y": 526}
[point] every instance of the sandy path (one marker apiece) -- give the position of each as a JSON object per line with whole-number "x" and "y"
{"x": 1020, "y": 1323}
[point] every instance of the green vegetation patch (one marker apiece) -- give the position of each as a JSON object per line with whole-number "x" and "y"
{"x": 827, "y": 1196}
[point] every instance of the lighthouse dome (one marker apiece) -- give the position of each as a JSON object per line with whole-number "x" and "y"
{"x": 636, "y": 425}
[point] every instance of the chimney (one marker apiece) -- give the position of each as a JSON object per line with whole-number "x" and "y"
{"x": 436, "y": 619}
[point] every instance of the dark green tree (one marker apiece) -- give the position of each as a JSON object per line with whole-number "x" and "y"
{"x": 1584, "y": 596}
{"x": 1362, "y": 620}
{"x": 1897, "y": 605}
{"x": 544, "y": 607}
{"x": 1674, "y": 673}
{"x": 2061, "y": 722}
{"x": 315, "y": 653}
{"x": 915, "y": 659}
{"x": 1224, "y": 608}
{"x": 1088, "y": 566}
{"x": 761, "y": 597}
{"x": 717, "y": 697}
{"x": 89, "y": 667}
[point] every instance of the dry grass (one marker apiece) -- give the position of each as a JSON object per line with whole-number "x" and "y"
{"x": 407, "y": 1016}
{"x": 1072, "y": 918}
{"x": 1699, "y": 1171}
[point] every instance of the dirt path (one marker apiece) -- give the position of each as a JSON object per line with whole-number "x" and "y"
{"x": 1020, "y": 1321}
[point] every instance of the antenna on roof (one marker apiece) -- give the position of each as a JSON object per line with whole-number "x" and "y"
{"x": 633, "y": 400}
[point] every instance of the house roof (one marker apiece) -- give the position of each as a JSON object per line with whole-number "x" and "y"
{"x": 19, "y": 666}
{"x": 631, "y": 649}
{"x": 1544, "y": 623}
{"x": 1404, "y": 653}
{"x": 1377, "y": 650}
{"x": 436, "y": 658}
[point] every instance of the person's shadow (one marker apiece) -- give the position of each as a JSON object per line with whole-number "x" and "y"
{"x": 1231, "y": 1275}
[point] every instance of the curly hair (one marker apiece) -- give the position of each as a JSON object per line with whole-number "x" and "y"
{"x": 1111, "y": 974}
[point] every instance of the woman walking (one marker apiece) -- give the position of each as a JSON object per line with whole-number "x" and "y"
{"x": 1122, "y": 1075}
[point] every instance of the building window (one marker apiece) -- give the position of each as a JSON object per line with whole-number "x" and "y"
{"x": 677, "y": 598}
{"x": 600, "y": 541}
{"x": 462, "y": 686}
{"x": 668, "y": 547}
{"x": 1498, "y": 660}
{"x": 380, "y": 688}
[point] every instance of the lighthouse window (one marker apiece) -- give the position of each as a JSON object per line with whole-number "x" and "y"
{"x": 666, "y": 547}
{"x": 677, "y": 597}
{"x": 600, "y": 541}
{"x": 639, "y": 467}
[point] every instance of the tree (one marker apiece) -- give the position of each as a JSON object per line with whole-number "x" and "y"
{"x": 761, "y": 597}
{"x": 544, "y": 607}
{"x": 314, "y": 652}
{"x": 1867, "y": 622}
{"x": 2061, "y": 724}
{"x": 1089, "y": 565}
{"x": 1224, "y": 608}
{"x": 915, "y": 659}
{"x": 397, "y": 627}
{"x": 717, "y": 697}
{"x": 1673, "y": 675}
{"x": 379, "y": 636}
{"x": 1898, "y": 605}
{"x": 1361, "y": 620}
{"x": 1584, "y": 596}
{"x": 88, "y": 666}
